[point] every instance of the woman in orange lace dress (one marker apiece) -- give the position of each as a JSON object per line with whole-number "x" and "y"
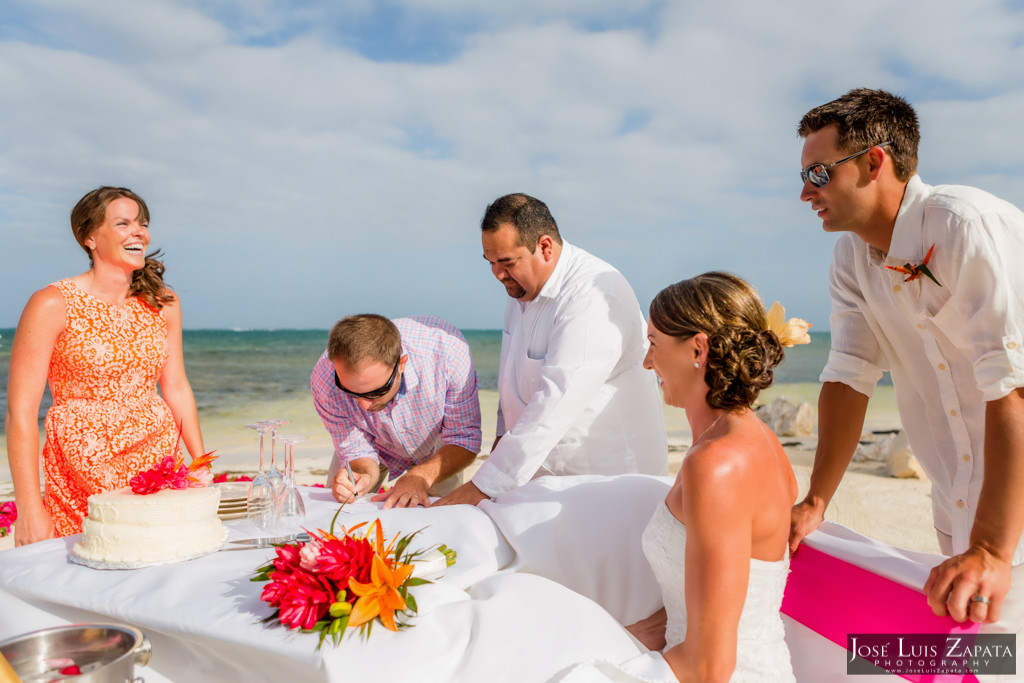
{"x": 104, "y": 339}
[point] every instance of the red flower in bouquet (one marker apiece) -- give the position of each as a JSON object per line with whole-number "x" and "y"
{"x": 343, "y": 558}
{"x": 332, "y": 582}
{"x": 284, "y": 565}
{"x": 304, "y": 600}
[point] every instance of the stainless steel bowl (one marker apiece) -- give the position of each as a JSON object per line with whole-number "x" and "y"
{"x": 105, "y": 653}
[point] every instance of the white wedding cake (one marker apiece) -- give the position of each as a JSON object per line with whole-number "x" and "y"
{"x": 129, "y": 529}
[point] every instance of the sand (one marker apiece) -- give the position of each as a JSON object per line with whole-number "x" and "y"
{"x": 894, "y": 511}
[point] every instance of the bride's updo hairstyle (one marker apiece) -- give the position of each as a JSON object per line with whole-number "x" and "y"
{"x": 89, "y": 214}
{"x": 742, "y": 351}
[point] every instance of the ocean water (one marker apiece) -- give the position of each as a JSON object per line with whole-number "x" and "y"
{"x": 236, "y": 373}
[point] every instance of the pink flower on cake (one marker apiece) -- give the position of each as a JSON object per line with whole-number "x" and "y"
{"x": 172, "y": 473}
{"x": 159, "y": 477}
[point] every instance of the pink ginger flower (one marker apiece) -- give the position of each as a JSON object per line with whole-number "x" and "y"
{"x": 309, "y": 555}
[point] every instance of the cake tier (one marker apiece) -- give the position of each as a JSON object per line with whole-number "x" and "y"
{"x": 170, "y": 525}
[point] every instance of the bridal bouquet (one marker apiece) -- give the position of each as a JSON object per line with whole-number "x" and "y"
{"x": 331, "y": 583}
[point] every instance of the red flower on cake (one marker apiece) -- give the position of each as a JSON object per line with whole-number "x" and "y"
{"x": 172, "y": 473}
{"x": 163, "y": 476}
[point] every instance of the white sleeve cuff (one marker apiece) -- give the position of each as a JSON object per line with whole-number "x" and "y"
{"x": 856, "y": 373}
{"x": 492, "y": 481}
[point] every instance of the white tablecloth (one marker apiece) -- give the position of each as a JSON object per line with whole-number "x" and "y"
{"x": 544, "y": 578}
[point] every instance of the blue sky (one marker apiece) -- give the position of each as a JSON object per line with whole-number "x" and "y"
{"x": 306, "y": 160}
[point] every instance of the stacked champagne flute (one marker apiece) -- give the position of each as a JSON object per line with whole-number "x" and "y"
{"x": 274, "y": 504}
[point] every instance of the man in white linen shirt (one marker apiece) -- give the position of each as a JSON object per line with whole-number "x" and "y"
{"x": 925, "y": 283}
{"x": 573, "y": 396}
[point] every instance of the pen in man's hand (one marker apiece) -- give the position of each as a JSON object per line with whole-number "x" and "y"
{"x": 352, "y": 478}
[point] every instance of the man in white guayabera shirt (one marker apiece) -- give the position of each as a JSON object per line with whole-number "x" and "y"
{"x": 573, "y": 395}
{"x": 925, "y": 283}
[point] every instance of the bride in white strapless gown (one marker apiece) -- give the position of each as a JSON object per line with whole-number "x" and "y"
{"x": 761, "y": 651}
{"x": 718, "y": 544}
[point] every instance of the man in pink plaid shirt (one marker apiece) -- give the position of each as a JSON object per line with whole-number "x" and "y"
{"x": 398, "y": 398}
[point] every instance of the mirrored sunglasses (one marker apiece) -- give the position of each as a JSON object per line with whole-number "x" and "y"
{"x": 817, "y": 174}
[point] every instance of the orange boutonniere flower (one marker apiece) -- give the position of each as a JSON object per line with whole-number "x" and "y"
{"x": 913, "y": 272}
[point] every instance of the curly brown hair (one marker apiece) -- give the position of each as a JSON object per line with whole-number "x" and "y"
{"x": 742, "y": 351}
{"x": 89, "y": 214}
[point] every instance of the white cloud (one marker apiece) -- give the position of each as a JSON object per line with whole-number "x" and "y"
{"x": 290, "y": 175}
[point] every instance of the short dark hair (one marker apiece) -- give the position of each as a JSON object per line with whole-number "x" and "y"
{"x": 742, "y": 351}
{"x": 865, "y": 118}
{"x": 366, "y": 336}
{"x": 528, "y": 215}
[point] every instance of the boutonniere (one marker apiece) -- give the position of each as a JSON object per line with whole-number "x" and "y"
{"x": 913, "y": 272}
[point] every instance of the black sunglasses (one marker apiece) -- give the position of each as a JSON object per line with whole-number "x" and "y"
{"x": 376, "y": 393}
{"x": 817, "y": 174}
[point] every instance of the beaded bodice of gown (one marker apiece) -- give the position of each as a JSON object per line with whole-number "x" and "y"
{"x": 762, "y": 653}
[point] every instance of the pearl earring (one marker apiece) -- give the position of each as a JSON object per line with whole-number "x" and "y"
{"x": 696, "y": 365}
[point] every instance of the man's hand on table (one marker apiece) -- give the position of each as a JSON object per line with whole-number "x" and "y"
{"x": 366, "y": 472}
{"x": 467, "y": 494}
{"x": 977, "y": 572}
{"x": 408, "y": 491}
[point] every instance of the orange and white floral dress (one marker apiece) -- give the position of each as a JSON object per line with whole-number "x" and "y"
{"x": 107, "y": 422}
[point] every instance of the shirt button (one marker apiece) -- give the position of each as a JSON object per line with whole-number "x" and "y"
{"x": 960, "y": 504}
{"x": 942, "y": 366}
{"x": 896, "y": 288}
{"x": 966, "y": 457}
{"x": 1011, "y": 345}
{"x": 953, "y": 413}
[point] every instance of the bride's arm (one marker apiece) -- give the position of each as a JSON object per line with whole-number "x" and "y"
{"x": 718, "y": 508}
{"x": 650, "y": 631}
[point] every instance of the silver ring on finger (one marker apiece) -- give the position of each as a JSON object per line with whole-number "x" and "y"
{"x": 982, "y": 599}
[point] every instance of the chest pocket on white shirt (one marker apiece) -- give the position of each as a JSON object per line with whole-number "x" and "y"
{"x": 529, "y": 377}
{"x": 950, "y": 319}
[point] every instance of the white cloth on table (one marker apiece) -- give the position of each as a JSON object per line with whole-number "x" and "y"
{"x": 584, "y": 533}
{"x": 574, "y": 397}
{"x": 949, "y": 348}
{"x": 487, "y": 619}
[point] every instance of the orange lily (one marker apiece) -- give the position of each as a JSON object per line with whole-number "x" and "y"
{"x": 380, "y": 597}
